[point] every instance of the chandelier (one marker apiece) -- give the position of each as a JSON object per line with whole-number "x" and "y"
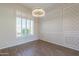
{"x": 38, "y": 12}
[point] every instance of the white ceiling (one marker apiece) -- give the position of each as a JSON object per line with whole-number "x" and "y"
{"x": 46, "y": 6}
{"x": 38, "y": 5}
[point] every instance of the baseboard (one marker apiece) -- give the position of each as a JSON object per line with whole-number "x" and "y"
{"x": 18, "y": 44}
{"x": 59, "y": 45}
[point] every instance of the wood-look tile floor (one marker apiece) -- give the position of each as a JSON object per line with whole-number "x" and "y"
{"x": 38, "y": 48}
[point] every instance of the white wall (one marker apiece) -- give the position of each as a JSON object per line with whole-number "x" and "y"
{"x": 61, "y": 26}
{"x": 8, "y": 25}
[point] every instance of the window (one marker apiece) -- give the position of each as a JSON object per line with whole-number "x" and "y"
{"x": 24, "y": 27}
{"x": 18, "y": 26}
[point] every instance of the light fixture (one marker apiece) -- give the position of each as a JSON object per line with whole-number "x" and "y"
{"x": 38, "y": 12}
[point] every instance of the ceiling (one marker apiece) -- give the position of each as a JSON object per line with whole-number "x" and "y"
{"x": 38, "y": 5}
{"x": 46, "y": 6}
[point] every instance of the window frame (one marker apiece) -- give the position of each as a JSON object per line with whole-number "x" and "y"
{"x": 31, "y": 29}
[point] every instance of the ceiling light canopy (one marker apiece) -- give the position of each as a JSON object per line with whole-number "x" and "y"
{"x": 38, "y": 12}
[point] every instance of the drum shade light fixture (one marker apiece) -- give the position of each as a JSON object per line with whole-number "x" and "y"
{"x": 38, "y": 12}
